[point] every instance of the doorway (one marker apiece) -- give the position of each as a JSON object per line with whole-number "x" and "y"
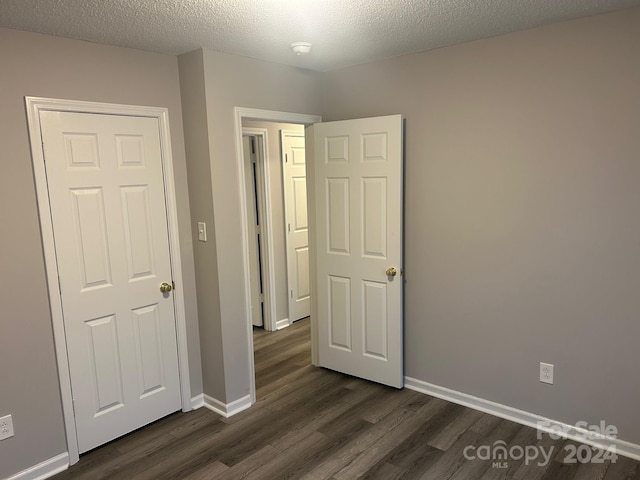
{"x": 275, "y": 184}
{"x": 244, "y": 117}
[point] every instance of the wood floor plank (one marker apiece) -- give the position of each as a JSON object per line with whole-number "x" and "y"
{"x": 385, "y": 472}
{"x": 453, "y": 458}
{"x": 318, "y": 424}
{"x": 305, "y": 389}
{"x": 502, "y": 431}
{"x": 622, "y": 469}
{"x": 535, "y": 468}
{"x": 251, "y": 463}
{"x": 379, "y": 394}
{"x": 233, "y": 451}
{"x": 289, "y": 380}
{"x": 525, "y": 436}
{"x": 592, "y": 471}
{"x": 91, "y": 462}
{"x": 177, "y": 459}
{"x": 193, "y": 423}
{"x": 414, "y": 455}
{"x": 358, "y": 445}
{"x": 411, "y": 448}
{"x": 284, "y": 368}
{"x": 340, "y": 402}
{"x": 331, "y": 444}
{"x": 208, "y": 472}
{"x": 485, "y": 424}
{"x": 393, "y": 401}
{"x": 560, "y": 471}
{"x": 372, "y": 459}
{"x": 277, "y": 465}
{"x": 448, "y": 436}
{"x": 282, "y": 357}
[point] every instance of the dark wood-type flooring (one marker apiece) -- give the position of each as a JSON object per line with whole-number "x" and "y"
{"x": 313, "y": 423}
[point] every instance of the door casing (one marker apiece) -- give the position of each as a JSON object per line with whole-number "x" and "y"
{"x": 34, "y": 106}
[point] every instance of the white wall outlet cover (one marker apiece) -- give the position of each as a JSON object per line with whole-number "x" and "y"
{"x": 6, "y": 427}
{"x": 546, "y": 373}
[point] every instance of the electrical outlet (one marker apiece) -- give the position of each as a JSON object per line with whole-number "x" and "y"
{"x": 6, "y": 427}
{"x": 546, "y": 373}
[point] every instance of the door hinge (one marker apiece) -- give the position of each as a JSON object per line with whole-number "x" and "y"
{"x": 289, "y": 227}
{"x": 291, "y": 293}
{"x": 286, "y": 157}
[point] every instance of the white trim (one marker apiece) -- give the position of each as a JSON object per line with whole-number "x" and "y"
{"x": 533, "y": 420}
{"x": 264, "y": 205}
{"x": 176, "y": 259}
{"x": 284, "y": 323}
{"x": 45, "y": 469}
{"x": 34, "y": 106}
{"x": 227, "y": 409}
{"x": 241, "y": 113}
{"x": 197, "y": 401}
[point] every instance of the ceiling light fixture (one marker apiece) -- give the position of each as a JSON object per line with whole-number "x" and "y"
{"x": 301, "y": 48}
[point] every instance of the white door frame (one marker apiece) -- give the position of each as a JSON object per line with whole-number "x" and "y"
{"x": 34, "y": 106}
{"x": 240, "y": 114}
{"x": 263, "y": 176}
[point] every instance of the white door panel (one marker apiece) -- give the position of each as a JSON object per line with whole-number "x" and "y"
{"x": 358, "y": 219}
{"x": 104, "y": 174}
{"x": 297, "y": 234}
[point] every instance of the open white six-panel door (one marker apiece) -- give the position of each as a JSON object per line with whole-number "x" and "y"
{"x": 358, "y": 180}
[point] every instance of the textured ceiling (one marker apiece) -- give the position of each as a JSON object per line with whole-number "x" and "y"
{"x": 343, "y": 32}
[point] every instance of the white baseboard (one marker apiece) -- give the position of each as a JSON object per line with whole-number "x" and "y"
{"x": 572, "y": 432}
{"x": 45, "y": 469}
{"x": 284, "y": 323}
{"x": 227, "y": 409}
{"x": 197, "y": 401}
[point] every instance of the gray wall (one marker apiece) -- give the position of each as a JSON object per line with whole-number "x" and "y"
{"x": 231, "y": 81}
{"x": 196, "y": 131}
{"x": 45, "y": 66}
{"x": 522, "y": 227}
{"x": 277, "y": 205}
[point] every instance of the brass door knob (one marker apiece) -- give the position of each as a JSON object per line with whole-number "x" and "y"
{"x": 165, "y": 287}
{"x": 391, "y": 272}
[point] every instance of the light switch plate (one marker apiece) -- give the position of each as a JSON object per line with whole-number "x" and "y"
{"x": 202, "y": 231}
